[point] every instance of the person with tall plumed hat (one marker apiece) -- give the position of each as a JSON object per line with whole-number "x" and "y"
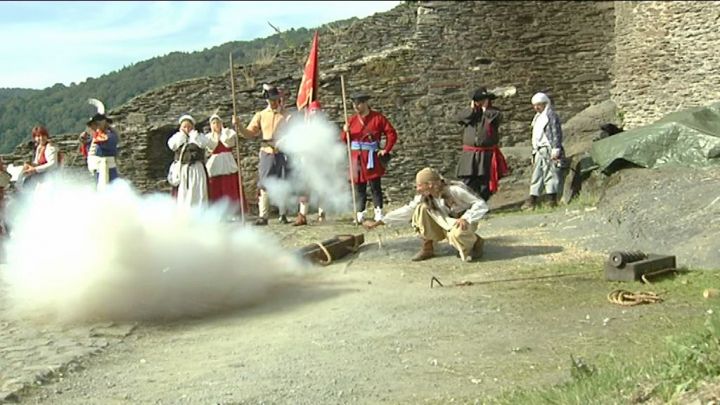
{"x": 102, "y": 149}
{"x": 273, "y": 163}
{"x": 481, "y": 163}
{"x": 441, "y": 210}
{"x": 366, "y": 129}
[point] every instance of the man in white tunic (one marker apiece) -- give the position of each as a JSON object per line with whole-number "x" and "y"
{"x": 189, "y": 147}
{"x": 548, "y": 152}
{"x": 441, "y": 209}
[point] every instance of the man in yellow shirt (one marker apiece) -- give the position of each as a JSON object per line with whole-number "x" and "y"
{"x": 273, "y": 163}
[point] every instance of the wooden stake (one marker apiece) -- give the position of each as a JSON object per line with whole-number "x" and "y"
{"x": 347, "y": 143}
{"x": 237, "y": 143}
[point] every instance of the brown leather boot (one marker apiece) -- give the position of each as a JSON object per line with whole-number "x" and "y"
{"x": 300, "y": 220}
{"x": 551, "y": 200}
{"x": 530, "y": 203}
{"x": 477, "y": 250}
{"x": 426, "y": 251}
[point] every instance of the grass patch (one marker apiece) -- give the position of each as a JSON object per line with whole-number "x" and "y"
{"x": 690, "y": 357}
{"x": 266, "y": 56}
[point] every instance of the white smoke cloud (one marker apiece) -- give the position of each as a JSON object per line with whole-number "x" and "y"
{"x": 318, "y": 167}
{"x": 79, "y": 255}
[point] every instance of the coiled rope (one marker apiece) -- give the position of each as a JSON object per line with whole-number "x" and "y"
{"x": 627, "y": 298}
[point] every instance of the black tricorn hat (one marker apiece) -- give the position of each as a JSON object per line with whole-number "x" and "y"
{"x": 99, "y": 117}
{"x": 100, "y": 114}
{"x": 271, "y": 92}
{"x": 481, "y": 94}
{"x": 360, "y": 97}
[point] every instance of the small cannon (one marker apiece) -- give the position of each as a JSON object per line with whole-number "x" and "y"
{"x": 633, "y": 265}
{"x": 327, "y": 251}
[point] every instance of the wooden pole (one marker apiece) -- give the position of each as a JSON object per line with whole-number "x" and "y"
{"x": 237, "y": 143}
{"x": 347, "y": 143}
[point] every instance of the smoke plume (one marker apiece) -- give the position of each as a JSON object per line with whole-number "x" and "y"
{"x": 79, "y": 255}
{"x": 318, "y": 167}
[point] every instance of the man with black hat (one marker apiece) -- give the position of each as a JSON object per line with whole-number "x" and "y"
{"x": 481, "y": 163}
{"x": 273, "y": 163}
{"x": 103, "y": 146}
{"x": 366, "y": 129}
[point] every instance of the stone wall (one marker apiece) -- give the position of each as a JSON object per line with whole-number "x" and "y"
{"x": 420, "y": 61}
{"x": 666, "y": 58}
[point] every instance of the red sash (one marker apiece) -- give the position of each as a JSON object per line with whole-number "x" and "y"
{"x": 41, "y": 155}
{"x": 498, "y": 165}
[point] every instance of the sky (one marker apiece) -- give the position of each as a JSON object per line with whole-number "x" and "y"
{"x": 44, "y": 43}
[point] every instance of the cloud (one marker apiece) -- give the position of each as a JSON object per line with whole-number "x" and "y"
{"x": 87, "y": 39}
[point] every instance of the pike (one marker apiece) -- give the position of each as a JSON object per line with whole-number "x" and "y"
{"x": 237, "y": 144}
{"x": 347, "y": 143}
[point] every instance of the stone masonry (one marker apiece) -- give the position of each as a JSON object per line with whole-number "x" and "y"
{"x": 666, "y": 58}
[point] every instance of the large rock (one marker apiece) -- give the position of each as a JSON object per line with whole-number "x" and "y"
{"x": 582, "y": 128}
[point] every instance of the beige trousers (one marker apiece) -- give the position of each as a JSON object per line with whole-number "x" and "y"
{"x": 434, "y": 226}
{"x": 264, "y": 205}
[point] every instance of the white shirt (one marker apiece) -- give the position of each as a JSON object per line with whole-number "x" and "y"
{"x": 50, "y": 156}
{"x": 463, "y": 200}
{"x": 224, "y": 162}
{"x": 180, "y": 138}
{"x": 539, "y": 139}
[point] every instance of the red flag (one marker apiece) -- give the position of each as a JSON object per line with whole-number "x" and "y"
{"x": 309, "y": 84}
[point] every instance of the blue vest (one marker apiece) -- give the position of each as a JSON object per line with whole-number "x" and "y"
{"x": 109, "y": 147}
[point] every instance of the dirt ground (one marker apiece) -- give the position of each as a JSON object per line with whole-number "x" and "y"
{"x": 369, "y": 329}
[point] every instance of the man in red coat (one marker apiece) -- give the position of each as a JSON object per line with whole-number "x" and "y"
{"x": 366, "y": 129}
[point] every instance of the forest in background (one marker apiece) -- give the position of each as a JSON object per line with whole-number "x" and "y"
{"x": 64, "y": 109}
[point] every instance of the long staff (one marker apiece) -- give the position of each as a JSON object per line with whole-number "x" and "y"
{"x": 347, "y": 143}
{"x": 237, "y": 143}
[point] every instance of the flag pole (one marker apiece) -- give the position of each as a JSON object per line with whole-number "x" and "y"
{"x": 237, "y": 143}
{"x": 347, "y": 143}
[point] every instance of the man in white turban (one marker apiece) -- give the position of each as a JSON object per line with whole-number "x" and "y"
{"x": 547, "y": 152}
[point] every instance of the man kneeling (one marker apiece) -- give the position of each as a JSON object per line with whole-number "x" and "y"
{"x": 441, "y": 209}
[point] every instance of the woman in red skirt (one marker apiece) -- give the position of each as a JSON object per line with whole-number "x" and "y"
{"x": 222, "y": 167}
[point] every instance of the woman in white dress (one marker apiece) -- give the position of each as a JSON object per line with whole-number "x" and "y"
{"x": 189, "y": 147}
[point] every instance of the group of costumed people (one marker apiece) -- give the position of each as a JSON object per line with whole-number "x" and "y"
{"x": 197, "y": 184}
{"x": 441, "y": 209}
{"x": 98, "y": 144}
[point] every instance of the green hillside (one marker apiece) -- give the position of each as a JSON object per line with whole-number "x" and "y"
{"x": 9, "y": 94}
{"x": 64, "y": 109}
